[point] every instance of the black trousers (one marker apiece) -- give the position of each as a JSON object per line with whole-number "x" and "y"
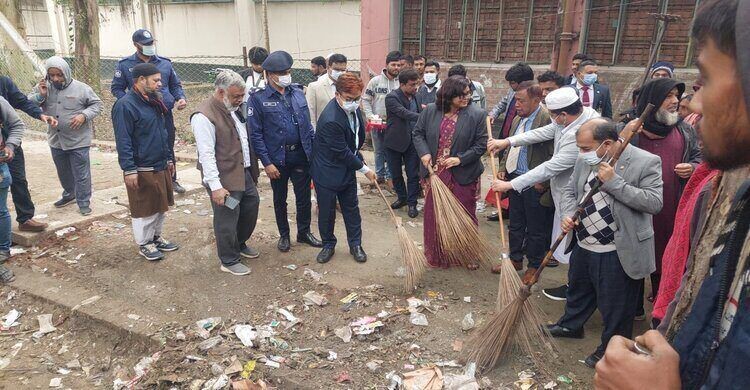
{"x": 410, "y": 161}
{"x": 349, "y": 202}
{"x": 297, "y": 169}
{"x": 529, "y": 226}
{"x": 171, "y": 134}
{"x": 597, "y": 281}
{"x": 233, "y": 227}
{"x": 19, "y": 188}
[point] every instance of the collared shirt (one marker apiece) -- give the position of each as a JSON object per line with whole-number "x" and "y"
{"x": 254, "y": 83}
{"x": 205, "y": 138}
{"x": 523, "y": 126}
{"x": 579, "y": 89}
{"x": 354, "y": 126}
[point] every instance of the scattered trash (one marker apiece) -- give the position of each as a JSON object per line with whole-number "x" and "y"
{"x": 526, "y": 380}
{"x": 418, "y": 319}
{"x": 313, "y": 275}
{"x": 332, "y": 356}
{"x": 467, "y": 299}
{"x": 234, "y": 368}
{"x": 366, "y": 325}
{"x": 414, "y": 302}
{"x": 344, "y": 333}
{"x": 183, "y": 229}
{"x": 427, "y": 378}
{"x": 185, "y": 202}
{"x": 55, "y": 382}
{"x": 186, "y": 211}
{"x": 292, "y": 267}
{"x": 63, "y": 371}
{"x": 350, "y": 298}
{"x": 383, "y": 314}
{"x": 465, "y": 381}
{"x": 457, "y": 345}
{"x": 10, "y": 319}
{"x": 11, "y": 295}
{"x": 288, "y": 315}
{"x": 313, "y": 298}
{"x": 271, "y": 363}
{"x": 206, "y": 325}
{"x": 246, "y": 334}
{"x": 248, "y": 369}
{"x": 217, "y": 383}
{"x": 210, "y": 343}
{"x": 87, "y": 302}
{"x": 343, "y": 377}
{"x": 247, "y": 384}
{"x": 550, "y": 385}
{"x": 467, "y": 323}
{"x": 564, "y": 379}
{"x": 203, "y": 213}
{"x": 17, "y": 250}
{"x": 394, "y": 381}
{"x": 45, "y": 325}
{"x": 73, "y": 364}
{"x": 62, "y": 232}
{"x": 374, "y": 365}
{"x": 448, "y": 363}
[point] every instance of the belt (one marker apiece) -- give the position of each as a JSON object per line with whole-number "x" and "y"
{"x": 290, "y": 148}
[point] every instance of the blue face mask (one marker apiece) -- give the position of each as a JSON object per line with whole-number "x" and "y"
{"x": 589, "y": 79}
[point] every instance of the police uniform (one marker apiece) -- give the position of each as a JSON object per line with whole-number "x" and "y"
{"x": 281, "y": 133}
{"x": 171, "y": 86}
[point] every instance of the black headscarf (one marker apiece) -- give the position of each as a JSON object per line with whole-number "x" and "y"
{"x": 654, "y": 92}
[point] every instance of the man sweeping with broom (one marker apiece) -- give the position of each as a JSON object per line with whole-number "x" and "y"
{"x": 613, "y": 245}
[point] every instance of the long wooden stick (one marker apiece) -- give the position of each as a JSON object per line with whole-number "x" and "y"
{"x": 382, "y": 195}
{"x": 630, "y": 130}
{"x": 497, "y": 195}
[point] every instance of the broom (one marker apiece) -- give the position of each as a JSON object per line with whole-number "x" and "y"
{"x": 457, "y": 235}
{"x": 503, "y": 240}
{"x": 413, "y": 258}
{"x": 482, "y": 347}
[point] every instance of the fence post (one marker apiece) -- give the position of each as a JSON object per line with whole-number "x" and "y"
{"x": 244, "y": 56}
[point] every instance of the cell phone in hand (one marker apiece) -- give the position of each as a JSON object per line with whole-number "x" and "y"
{"x": 231, "y": 202}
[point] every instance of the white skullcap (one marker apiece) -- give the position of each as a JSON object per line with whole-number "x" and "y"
{"x": 561, "y": 98}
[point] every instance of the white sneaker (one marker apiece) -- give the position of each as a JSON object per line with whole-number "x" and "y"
{"x": 238, "y": 269}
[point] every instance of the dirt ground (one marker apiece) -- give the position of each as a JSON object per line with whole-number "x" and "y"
{"x": 164, "y": 299}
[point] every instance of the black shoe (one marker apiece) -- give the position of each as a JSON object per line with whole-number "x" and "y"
{"x": 176, "y": 187}
{"x": 493, "y": 217}
{"x": 398, "y": 204}
{"x": 559, "y": 331}
{"x": 552, "y": 263}
{"x": 557, "y": 293}
{"x": 358, "y": 253}
{"x": 592, "y": 359}
{"x": 413, "y": 212}
{"x": 311, "y": 240}
{"x": 325, "y": 255}
{"x": 284, "y": 244}
{"x": 64, "y": 202}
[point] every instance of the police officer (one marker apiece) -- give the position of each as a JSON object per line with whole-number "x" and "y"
{"x": 171, "y": 88}
{"x": 278, "y": 122}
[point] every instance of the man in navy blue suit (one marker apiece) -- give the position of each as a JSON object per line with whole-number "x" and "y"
{"x": 592, "y": 94}
{"x": 335, "y": 161}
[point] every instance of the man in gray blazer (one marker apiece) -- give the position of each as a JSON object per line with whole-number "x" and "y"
{"x": 613, "y": 246}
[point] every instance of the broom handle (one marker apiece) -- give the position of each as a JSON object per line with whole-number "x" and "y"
{"x": 382, "y": 195}
{"x": 497, "y": 195}
{"x": 623, "y": 141}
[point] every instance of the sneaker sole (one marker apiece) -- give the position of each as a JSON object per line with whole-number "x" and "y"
{"x": 249, "y": 256}
{"x": 85, "y": 214}
{"x": 168, "y": 249}
{"x": 151, "y": 258}
{"x": 552, "y": 297}
{"x": 68, "y": 203}
{"x": 227, "y": 270}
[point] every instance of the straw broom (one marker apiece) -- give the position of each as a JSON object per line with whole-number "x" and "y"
{"x": 487, "y": 345}
{"x": 457, "y": 234}
{"x": 413, "y": 258}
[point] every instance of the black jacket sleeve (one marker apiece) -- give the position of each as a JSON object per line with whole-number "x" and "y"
{"x": 18, "y": 99}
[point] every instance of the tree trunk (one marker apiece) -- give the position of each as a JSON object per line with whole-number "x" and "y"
{"x": 86, "y": 64}
{"x": 12, "y": 10}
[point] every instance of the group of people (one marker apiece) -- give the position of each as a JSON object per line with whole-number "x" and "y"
{"x": 673, "y": 208}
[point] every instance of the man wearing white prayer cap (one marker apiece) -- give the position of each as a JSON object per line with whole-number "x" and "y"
{"x": 568, "y": 114}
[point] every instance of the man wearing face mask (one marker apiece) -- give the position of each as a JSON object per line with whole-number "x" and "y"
{"x": 427, "y": 92}
{"x": 171, "y": 90}
{"x": 592, "y": 94}
{"x": 336, "y": 159}
{"x": 75, "y": 105}
{"x": 320, "y": 92}
{"x": 278, "y": 121}
{"x": 145, "y": 158}
{"x": 231, "y": 178}
{"x": 612, "y": 247}
{"x": 567, "y": 114}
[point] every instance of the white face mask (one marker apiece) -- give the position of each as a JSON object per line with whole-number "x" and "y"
{"x": 350, "y": 106}
{"x": 430, "y": 78}
{"x": 336, "y": 73}
{"x": 149, "y": 50}
{"x": 284, "y": 81}
{"x": 591, "y": 157}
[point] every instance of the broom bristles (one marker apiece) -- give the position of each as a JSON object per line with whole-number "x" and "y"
{"x": 515, "y": 317}
{"x": 413, "y": 259}
{"x": 457, "y": 234}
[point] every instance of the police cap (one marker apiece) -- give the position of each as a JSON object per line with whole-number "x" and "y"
{"x": 278, "y": 61}
{"x": 143, "y": 36}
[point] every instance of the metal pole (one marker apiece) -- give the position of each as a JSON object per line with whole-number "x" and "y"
{"x": 499, "y": 31}
{"x": 422, "y": 28}
{"x": 477, "y": 5}
{"x": 244, "y": 56}
{"x": 448, "y": 25}
{"x": 528, "y": 32}
{"x": 618, "y": 34}
{"x": 567, "y": 35}
{"x": 265, "y": 24}
{"x": 463, "y": 31}
{"x": 691, "y": 44}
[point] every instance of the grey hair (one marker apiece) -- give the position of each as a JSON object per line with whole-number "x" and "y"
{"x": 228, "y": 78}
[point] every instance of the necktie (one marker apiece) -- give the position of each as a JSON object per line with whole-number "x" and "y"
{"x": 585, "y": 97}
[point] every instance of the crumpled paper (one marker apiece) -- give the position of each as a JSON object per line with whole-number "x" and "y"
{"x": 427, "y": 378}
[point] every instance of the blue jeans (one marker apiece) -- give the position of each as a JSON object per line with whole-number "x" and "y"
{"x": 378, "y": 146}
{"x": 5, "y": 220}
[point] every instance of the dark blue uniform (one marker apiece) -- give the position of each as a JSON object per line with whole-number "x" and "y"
{"x": 281, "y": 133}
{"x": 171, "y": 88}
